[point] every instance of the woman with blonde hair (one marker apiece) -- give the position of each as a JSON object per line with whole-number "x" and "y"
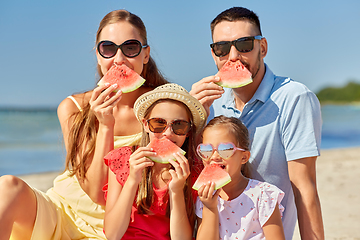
{"x": 93, "y": 123}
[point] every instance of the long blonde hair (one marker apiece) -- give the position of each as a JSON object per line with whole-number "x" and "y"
{"x": 145, "y": 195}
{"x": 82, "y": 136}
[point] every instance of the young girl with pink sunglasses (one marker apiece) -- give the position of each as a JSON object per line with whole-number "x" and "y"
{"x": 244, "y": 208}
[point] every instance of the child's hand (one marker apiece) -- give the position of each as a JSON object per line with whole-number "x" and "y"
{"x": 138, "y": 162}
{"x": 207, "y": 195}
{"x": 180, "y": 174}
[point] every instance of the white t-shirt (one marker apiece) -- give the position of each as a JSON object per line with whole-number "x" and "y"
{"x": 244, "y": 216}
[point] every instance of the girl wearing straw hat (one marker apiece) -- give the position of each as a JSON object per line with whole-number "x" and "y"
{"x": 155, "y": 200}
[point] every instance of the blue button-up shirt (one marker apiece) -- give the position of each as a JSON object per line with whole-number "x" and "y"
{"x": 284, "y": 122}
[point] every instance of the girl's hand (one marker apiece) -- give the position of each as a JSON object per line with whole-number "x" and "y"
{"x": 138, "y": 162}
{"x": 180, "y": 174}
{"x": 102, "y": 102}
{"x": 207, "y": 195}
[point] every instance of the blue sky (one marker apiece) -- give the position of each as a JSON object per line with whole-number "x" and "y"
{"x": 46, "y": 47}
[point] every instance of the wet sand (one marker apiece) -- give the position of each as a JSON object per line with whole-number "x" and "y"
{"x": 338, "y": 182}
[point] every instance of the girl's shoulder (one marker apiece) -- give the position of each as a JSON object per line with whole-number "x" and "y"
{"x": 262, "y": 190}
{"x": 266, "y": 197}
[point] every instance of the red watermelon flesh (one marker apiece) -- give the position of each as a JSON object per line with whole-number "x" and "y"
{"x": 234, "y": 75}
{"x": 127, "y": 79}
{"x": 164, "y": 149}
{"x": 212, "y": 173}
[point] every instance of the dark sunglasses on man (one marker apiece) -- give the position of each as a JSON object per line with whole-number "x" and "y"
{"x": 243, "y": 45}
{"x": 130, "y": 48}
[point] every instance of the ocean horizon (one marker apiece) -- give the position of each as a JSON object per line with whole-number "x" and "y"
{"x": 31, "y": 139}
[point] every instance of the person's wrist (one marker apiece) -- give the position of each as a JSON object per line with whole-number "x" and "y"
{"x": 109, "y": 126}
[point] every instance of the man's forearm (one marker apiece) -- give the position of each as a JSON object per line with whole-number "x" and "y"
{"x": 309, "y": 214}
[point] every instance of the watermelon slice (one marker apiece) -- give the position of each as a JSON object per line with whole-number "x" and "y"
{"x": 164, "y": 149}
{"x": 212, "y": 173}
{"x": 234, "y": 75}
{"x": 127, "y": 79}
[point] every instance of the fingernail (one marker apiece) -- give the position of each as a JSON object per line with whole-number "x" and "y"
{"x": 114, "y": 85}
{"x": 107, "y": 84}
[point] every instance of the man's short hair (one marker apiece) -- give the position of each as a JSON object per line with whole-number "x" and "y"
{"x": 236, "y": 14}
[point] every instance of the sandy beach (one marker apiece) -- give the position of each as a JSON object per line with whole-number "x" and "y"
{"x": 338, "y": 180}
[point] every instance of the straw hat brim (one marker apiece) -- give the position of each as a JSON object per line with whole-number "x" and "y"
{"x": 174, "y": 92}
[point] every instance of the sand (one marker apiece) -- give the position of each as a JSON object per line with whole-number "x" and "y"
{"x": 338, "y": 181}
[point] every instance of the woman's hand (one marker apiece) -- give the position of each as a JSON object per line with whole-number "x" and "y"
{"x": 139, "y": 161}
{"x": 180, "y": 174}
{"x": 207, "y": 195}
{"x": 102, "y": 102}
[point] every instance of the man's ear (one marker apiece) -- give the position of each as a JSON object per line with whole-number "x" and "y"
{"x": 263, "y": 47}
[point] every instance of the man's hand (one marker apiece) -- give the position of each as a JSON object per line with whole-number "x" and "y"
{"x": 206, "y": 91}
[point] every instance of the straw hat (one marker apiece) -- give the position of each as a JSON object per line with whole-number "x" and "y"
{"x": 175, "y": 92}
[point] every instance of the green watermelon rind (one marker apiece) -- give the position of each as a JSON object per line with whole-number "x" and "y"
{"x": 218, "y": 183}
{"x": 235, "y": 85}
{"x": 138, "y": 84}
{"x": 165, "y": 159}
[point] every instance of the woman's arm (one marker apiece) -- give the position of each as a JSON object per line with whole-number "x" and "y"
{"x": 209, "y": 224}
{"x": 102, "y": 105}
{"x": 273, "y": 228}
{"x": 65, "y": 111}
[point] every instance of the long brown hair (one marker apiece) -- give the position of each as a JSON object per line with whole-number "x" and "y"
{"x": 145, "y": 196}
{"x": 82, "y": 136}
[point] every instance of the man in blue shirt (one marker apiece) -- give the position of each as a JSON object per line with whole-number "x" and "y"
{"x": 283, "y": 118}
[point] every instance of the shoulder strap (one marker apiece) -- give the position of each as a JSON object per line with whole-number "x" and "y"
{"x": 76, "y": 103}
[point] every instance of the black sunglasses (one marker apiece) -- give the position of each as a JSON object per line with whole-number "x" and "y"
{"x": 159, "y": 125}
{"x": 130, "y": 48}
{"x": 244, "y": 45}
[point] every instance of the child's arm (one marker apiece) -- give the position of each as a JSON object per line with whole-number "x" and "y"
{"x": 179, "y": 222}
{"x": 209, "y": 224}
{"x": 121, "y": 198}
{"x": 273, "y": 228}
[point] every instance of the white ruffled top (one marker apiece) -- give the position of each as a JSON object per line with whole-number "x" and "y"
{"x": 244, "y": 216}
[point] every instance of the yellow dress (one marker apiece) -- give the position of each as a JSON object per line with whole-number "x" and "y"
{"x": 66, "y": 212}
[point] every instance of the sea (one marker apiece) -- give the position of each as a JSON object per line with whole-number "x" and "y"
{"x": 31, "y": 139}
